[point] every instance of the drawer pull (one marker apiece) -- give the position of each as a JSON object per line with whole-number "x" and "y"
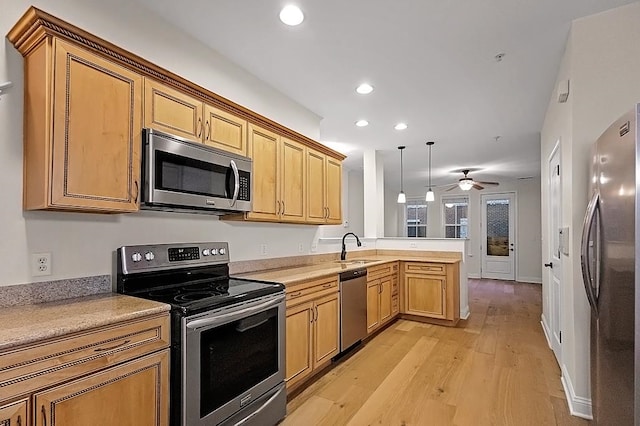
{"x": 112, "y": 347}
{"x": 296, "y": 294}
{"x": 327, "y": 286}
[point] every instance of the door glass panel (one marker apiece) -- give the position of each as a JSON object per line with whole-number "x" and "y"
{"x": 235, "y": 357}
{"x": 498, "y": 227}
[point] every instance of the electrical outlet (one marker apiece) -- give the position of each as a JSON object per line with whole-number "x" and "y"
{"x": 413, "y": 245}
{"x": 300, "y": 248}
{"x": 314, "y": 248}
{"x": 40, "y": 264}
{"x": 263, "y": 249}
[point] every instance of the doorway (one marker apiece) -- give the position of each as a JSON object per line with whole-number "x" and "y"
{"x": 498, "y": 236}
{"x": 554, "y": 267}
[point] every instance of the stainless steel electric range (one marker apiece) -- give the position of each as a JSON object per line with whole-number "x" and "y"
{"x": 227, "y": 334}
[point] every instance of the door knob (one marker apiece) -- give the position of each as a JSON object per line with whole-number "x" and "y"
{"x": 548, "y": 265}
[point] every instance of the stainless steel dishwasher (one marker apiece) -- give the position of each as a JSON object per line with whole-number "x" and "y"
{"x": 353, "y": 307}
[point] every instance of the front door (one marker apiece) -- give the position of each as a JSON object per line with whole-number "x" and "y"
{"x": 498, "y": 231}
{"x": 554, "y": 265}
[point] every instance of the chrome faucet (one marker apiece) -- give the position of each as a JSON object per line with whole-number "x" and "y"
{"x": 343, "y": 253}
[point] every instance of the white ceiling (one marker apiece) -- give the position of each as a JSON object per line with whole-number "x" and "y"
{"x": 432, "y": 65}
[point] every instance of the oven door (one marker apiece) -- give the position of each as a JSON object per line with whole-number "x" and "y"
{"x": 232, "y": 357}
{"x": 183, "y": 174}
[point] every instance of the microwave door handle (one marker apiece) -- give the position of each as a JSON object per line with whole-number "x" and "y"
{"x": 236, "y": 187}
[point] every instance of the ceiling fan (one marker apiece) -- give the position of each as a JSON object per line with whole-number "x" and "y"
{"x": 466, "y": 183}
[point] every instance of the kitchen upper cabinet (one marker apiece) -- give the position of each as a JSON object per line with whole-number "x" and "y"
{"x": 83, "y": 121}
{"x": 177, "y": 113}
{"x": 134, "y": 393}
{"x": 278, "y": 177}
{"x": 431, "y": 291}
{"x": 324, "y": 188}
{"x": 14, "y": 413}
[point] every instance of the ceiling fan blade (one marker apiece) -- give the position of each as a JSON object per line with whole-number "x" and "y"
{"x": 454, "y": 186}
{"x": 479, "y": 187}
{"x": 488, "y": 183}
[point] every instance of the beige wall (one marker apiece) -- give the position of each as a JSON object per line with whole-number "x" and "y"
{"x": 602, "y": 62}
{"x": 81, "y": 244}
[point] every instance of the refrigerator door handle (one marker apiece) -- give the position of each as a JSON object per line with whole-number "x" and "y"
{"x": 584, "y": 251}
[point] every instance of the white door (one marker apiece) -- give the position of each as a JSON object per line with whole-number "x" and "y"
{"x": 554, "y": 265}
{"x": 498, "y": 231}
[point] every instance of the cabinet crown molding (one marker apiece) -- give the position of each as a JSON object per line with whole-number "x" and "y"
{"x": 36, "y": 25}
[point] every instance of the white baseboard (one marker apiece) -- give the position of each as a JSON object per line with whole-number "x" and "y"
{"x": 464, "y": 312}
{"x": 578, "y": 405}
{"x": 534, "y": 280}
{"x": 545, "y": 329}
{"x": 474, "y": 276}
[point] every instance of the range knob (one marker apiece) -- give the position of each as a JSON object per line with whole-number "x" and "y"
{"x": 222, "y": 251}
{"x": 149, "y": 256}
{"x": 136, "y": 257}
{"x": 214, "y": 251}
{"x": 205, "y": 252}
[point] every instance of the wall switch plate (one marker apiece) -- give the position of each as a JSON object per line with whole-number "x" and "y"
{"x": 40, "y": 264}
{"x": 300, "y": 248}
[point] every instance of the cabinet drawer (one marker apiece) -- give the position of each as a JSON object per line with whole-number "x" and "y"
{"x": 33, "y": 367}
{"x": 309, "y": 290}
{"x": 378, "y": 271}
{"x": 426, "y": 268}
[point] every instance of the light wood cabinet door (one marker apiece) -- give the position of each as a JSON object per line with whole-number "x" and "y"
{"x": 263, "y": 147}
{"x": 425, "y": 295}
{"x": 97, "y": 107}
{"x": 14, "y": 414}
{"x": 326, "y": 330}
{"x": 225, "y": 131}
{"x": 299, "y": 342}
{"x": 134, "y": 393}
{"x": 316, "y": 183}
{"x": 292, "y": 181}
{"x": 171, "y": 111}
{"x": 385, "y": 299}
{"x": 373, "y": 305}
{"x": 334, "y": 191}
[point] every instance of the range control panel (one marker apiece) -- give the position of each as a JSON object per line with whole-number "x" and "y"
{"x": 145, "y": 258}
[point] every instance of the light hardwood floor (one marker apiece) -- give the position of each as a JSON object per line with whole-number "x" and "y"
{"x": 493, "y": 369}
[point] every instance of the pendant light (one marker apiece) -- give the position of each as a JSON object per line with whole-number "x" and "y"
{"x": 401, "y": 197}
{"x": 430, "y": 195}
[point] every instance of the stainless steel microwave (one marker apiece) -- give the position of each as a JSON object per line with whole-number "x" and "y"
{"x": 181, "y": 175}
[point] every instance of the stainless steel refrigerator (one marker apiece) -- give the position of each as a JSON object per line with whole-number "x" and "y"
{"x": 608, "y": 256}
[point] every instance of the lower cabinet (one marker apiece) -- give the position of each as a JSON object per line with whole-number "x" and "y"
{"x": 380, "y": 294}
{"x": 431, "y": 291}
{"x": 134, "y": 393}
{"x": 14, "y": 413}
{"x": 113, "y": 375}
{"x": 312, "y": 328}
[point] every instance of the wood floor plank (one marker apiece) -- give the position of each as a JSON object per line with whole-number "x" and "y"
{"x": 495, "y": 368}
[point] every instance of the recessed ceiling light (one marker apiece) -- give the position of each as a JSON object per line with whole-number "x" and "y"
{"x": 291, "y": 15}
{"x": 400, "y": 126}
{"x": 364, "y": 89}
{"x": 362, "y": 123}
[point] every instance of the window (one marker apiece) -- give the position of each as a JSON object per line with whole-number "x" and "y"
{"x": 416, "y": 218}
{"x": 456, "y": 217}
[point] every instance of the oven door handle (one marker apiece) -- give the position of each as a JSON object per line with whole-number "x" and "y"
{"x": 236, "y": 187}
{"x": 231, "y": 316}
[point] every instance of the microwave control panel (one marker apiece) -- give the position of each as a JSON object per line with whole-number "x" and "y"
{"x": 244, "y": 192}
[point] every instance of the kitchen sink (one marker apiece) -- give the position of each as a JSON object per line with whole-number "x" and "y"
{"x": 355, "y": 261}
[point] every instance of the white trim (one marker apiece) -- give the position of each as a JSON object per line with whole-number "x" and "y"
{"x": 465, "y": 313}
{"x": 474, "y": 276}
{"x": 532, "y": 280}
{"x": 579, "y": 406}
{"x": 545, "y": 329}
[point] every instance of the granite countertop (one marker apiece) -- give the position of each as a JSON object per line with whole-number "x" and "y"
{"x": 29, "y": 323}
{"x": 294, "y": 275}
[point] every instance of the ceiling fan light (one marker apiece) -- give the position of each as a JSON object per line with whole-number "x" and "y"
{"x": 465, "y": 185}
{"x": 402, "y": 198}
{"x": 430, "y": 195}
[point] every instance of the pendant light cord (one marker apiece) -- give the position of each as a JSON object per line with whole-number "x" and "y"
{"x": 401, "y": 172}
{"x": 430, "y": 167}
